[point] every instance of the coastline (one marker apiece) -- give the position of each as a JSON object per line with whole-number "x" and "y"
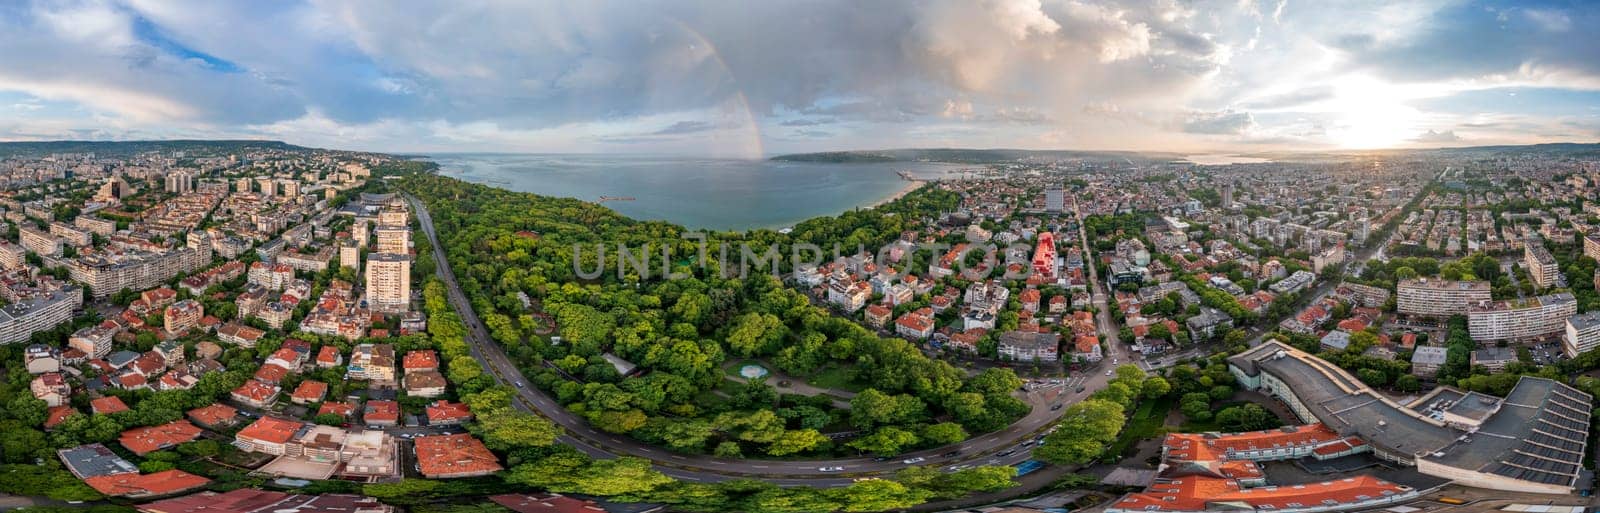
{"x": 910, "y": 186}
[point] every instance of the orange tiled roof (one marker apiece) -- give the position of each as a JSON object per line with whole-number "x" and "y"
{"x": 310, "y": 390}
{"x": 1196, "y": 493}
{"x": 446, "y": 411}
{"x": 445, "y": 455}
{"x": 107, "y": 405}
{"x": 57, "y": 414}
{"x": 214, "y": 414}
{"x": 421, "y": 359}
{"x": 270, "y": 429}
{"x": 159, "y": 483}
{"x": 144, "y": 440}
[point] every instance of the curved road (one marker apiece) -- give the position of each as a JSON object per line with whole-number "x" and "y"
{"x": 702, "y": 468}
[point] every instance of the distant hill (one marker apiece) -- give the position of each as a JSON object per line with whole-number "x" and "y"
{"x": 968, "y": 155}
{"x": 114, "y": 148}
{"x": 999, "y": 155}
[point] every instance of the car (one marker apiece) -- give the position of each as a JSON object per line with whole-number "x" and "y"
{"x": 519, "y": 384}
{"x": 1006, "y": 452}
{"x": 881, "y": 458}
{"x": 1079, "y": 390}
{"x": 1108, "y": 373}
{"x": 951, "y": 454}
{"x": 1028, "y": 443}
{"x": 1055, "y": 406}
{"x": 914, "y": 461}
{"x": 830, "y": 469}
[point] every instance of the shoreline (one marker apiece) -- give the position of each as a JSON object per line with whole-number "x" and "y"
{"x": 910, "y": 186}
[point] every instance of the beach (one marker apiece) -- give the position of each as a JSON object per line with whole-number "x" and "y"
{"x": 911, "y": 185}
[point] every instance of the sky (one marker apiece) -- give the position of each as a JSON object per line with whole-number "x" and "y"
{"x": 742, "y": 79}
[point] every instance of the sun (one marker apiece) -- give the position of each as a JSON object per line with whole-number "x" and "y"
{"x": 1367, "y": 114}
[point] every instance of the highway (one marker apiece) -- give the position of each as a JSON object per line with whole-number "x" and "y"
{"x": 978, "y": 450}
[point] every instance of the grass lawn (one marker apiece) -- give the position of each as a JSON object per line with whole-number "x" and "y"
{"x": 835, "y": 377}
{"x": 1145, "y": 423}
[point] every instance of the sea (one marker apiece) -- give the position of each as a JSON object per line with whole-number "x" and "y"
{"x": 699, "y": 193}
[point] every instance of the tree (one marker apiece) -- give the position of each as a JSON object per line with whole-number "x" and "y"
{"x": 876, "y": 495}
{"x": 1407, "y": 383}
{"x": 507, "y": 429}
{"x": 1084, "y": 432}
{"x": 1196, "y": 406}
{"x": 727, "y": 450}
{"x": 796, "y": 441}
{"x": 762, "y": 426}
{"x": 687, "y": 435}
{"x": 993, "y": 380}
{"x": 1248, "y": 417}
{"x": 944, "y": 433}
{"x": 886, "y": 441}
{"x": 987, "y": 478}
{"x": 1155, "y": 386}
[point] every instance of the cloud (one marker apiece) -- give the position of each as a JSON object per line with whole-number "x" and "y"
{"x": 1431, "y": 136}
{"x": 698, "y": 74}
{"x": 684, "y": 127}
{"x": 1289, "y": 99}
{"x": 806, "y": 122}
{"x": 1224, "y": 122}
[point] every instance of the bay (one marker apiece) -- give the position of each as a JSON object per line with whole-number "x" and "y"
{"x": 702, "y": 193}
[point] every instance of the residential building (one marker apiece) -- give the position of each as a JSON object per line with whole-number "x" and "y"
{"x": 1439, "y": 298}
{"x": 1541, "y": 264}
{"x": 251, "y": 500}
{"x": 1582, "y": 333}
{"x": 1029, "y": 345}
{"x": 388, "y": 282}
{"x": 1494, "y": 358}
{"x": 1520, "y": 319}
{"x": 372, "y": 362}
{"x": 182, "y": 316}
{"x": 270, "y": 435}
{"x": 452, "y": 456}
{"x": 1427, "y": 360}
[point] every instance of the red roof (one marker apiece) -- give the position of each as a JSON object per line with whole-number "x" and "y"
{"x": 545, "y": 503}
{"x": 214, "y": 414}
{"x": 255, "y": 390}
{"x": 107, "y": 405}
{"x": 270, "y": 429}
{"x": 310, "y": 391}
{"x": 145, "y": 440}
{"x": 136, "y": 485}
{"x": 56, "y": 414}
{"x": 421, "y": 359}
{"x": 454, "y": 455}
{"x": 328, "y": 355}
{"x": 271, "y": 373}
{"x": 441, "y": 411}
{"x": 341, "y": 409}
{"x": 378, "y": 411}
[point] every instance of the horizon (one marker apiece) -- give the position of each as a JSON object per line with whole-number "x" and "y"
{"x": 754, "y": 81}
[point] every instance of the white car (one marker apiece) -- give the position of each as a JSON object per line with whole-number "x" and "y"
{"x": 914, "y": 461}
{"x": 830, "y": 469}
{"x": 1108, "y": 373}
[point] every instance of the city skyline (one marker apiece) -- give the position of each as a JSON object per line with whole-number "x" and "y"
{"x": 735, "y": 80}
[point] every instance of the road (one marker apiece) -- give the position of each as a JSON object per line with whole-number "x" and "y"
{"x": 1117, "y": 352}
{"x": 701, "y": 468}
